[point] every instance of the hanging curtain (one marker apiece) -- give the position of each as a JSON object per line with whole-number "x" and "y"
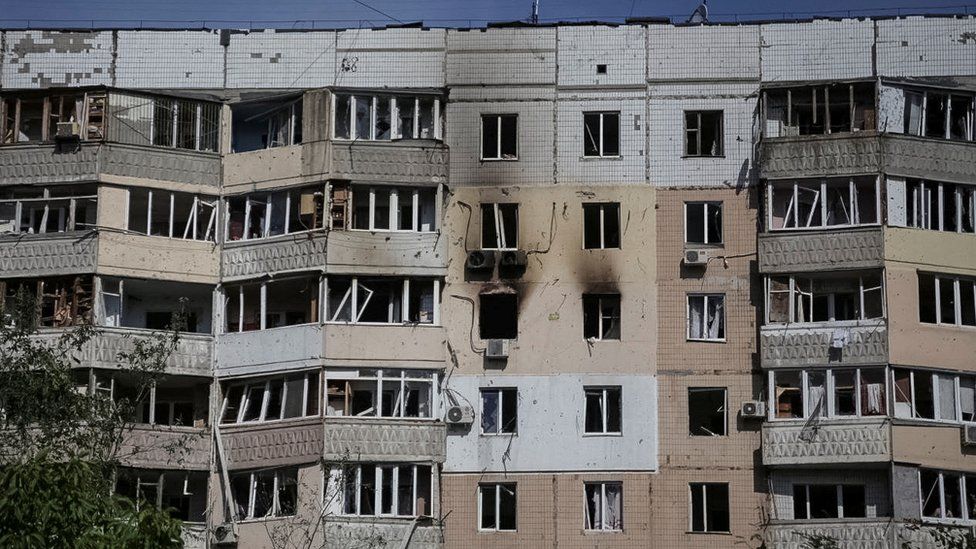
{"x": 695, "y": 321}
{"x": 614, "y": 518}
{"x": 874, "y": 398}
{"x": 716, "y": 318}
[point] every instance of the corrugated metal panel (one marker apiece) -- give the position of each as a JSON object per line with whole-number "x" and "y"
{"x": 42, "y": 59}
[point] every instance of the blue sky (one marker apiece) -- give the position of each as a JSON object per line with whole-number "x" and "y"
{"x": 350, "y": 13}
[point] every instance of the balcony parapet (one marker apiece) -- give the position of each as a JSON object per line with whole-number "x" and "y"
{"x": 281, "y": 254}
{"x": 48, "y": 254}
{"x": 379, "y": 533}
{"x": 826, "y": 442}
{"x": 377, "y": 439}
{"x": 860, "y": 533}
{"x": 379, "y": 253}
{"x": 411, "y": 162}
{"x": 194, "y": 535}
{"x": 273, "y": 443}
{"x": 166, "y": 447}
{"x": 826, "y": 250}
{"x": 191, "y": 357}
{"x": 799, "y": 345}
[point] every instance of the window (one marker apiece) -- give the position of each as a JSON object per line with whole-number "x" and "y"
{"x": 40, "y": 210}
{"x": 604, "y": 505}
{"x": 704, "y": 133}
{"x": 709, "y": 507}
{"x": 269, "y": 399}
{"x": 185, "y": 124}
{"x": 260, "y": 125}
{"x": 263, "y": 215}
{"x": 383, "y": 300}
{"x": 61, "y": 301}
{"x": 834, "y": 202}
{"x": 828, "y": 501}
{"x": 266, "y": 493}
{"x": 703, "y": 222}
{"x": 381, "y": 393}
{"x": 946, "y": 299}
{"x": 182, "y": 494}
{"x": 384, "y": 117}
{"x": 837, "y": 393}
{"x": 393, "y": 208}
{"x": 499, "y": 411}
{"x": 497, "y": 507}
{"x": 817, "y": 110}
{"x": 498, "y": 316}
{"x": 271, "y": 304}
{"x": 939, "y": 114}
{"x": 706, "y": 317}
{"x": 167, "y": 402}
{"x": 707, "y": 414}
{"x": 601, "y": 134}
{"x": 937, "y": 396}
{"x": 941, "y": 206}
{"x": 389, "y": 489}
{"x": 23, "y": 119}
{"x": 171, "y": 214}
{"x": 499, "y": 226}
{"x": 601, "y": 225}
{"x": 601, "y": 316}
{"x": 942, "y": 495}
{"x": 499, "y": 137}
{"x": 792, "y": 299}
{"x": 603, "y": 410}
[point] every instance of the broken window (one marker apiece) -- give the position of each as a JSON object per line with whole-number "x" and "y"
{"x": 156, "y": 305}
{"x": 385, "y": 300}
{"x": 706, "y": 317}
{"x": 498, "y": 316}
{"x": 815, "y": 110}
{"x": 266, "y": 124}
{"x": 604, "y": 506}
{"x": 941, "y": 206}
{"x": 709, "y": 507}
{"x": 497, "y": 507}
{"x": 381, "y": 393}
{"x": 601, "y": 316}
{"x": 61, "y": 301}
{"x": 499, "y": 226}
{"x": 185, "y": 124}
{"x": 264, "y": 215}
{"x": 788, "y": 394}
{"x": 704, "y": 133}
{"x": 932, "y": 395}
{"x": 946, "y": 299}
{"x": 823, "y": 203}
{"x": 499, "y": 411}
{"x": 265, "y": 493}
{"x": 499, "y": 137}
{"x": 174, "y": 400}
{"x": 828, "y": 501}
{"x": 603, "y": 412}
{"x": 601, "y": 225}
{"x": 601, "y": 134}
{"x": 385, "y": 117}
{"x": 181, "y": 494}
{"x": 707, "y": 411}
{"x": 22, "y": 119}
{"x": 172, "y": 214}
{"x": 269, "y": 399}
{"x": 939, "y": 114}
{"x": 389, "y": 489}
{"x": 393, "y": 208}
{"x": 37, "y": 210}
{"x": 791, "y": 298}
{"x": 703, "y": 222}
{"x": 831, "y": 393}
{"x": 271, "y": 304}
{"x": 941, "y": 495}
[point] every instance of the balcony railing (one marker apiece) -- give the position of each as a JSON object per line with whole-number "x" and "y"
{"x": 48, "y": 254}
{"x": 796, "y": 345}
{"x": 367, "y": 252}
{"x": 862, "y": 533}
{"x": 192, "y": 355}
{"x": 378, "y": 533}
{"x": 826, "y": 250}
{"x": 826, "y": 442}
{"x": 358, "y": 439}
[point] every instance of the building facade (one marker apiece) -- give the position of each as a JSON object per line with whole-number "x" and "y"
{"x": 523, "y": 286}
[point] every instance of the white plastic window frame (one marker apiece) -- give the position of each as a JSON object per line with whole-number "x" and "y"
{"x": 501, "y": 393}
{"x": 957, "y": 290}
{"x": 602, "y": 227}
{"x": 791, "y": 216}
{"x": 404, "y": 378}
{"x": 497, "y": 487}
{"x": 604, "y": 525}
{"x": 918, "y": 198}
{"x": 601, "y": 318}
{"x": 352, "y": 296}
{"x": 275, "y": 510}
{"x": 263, "y": 307}
{"x": 381, "y": 470}
{"x": 66, "y": 223}
{"x": 797, "y": 292}
{"x": 970, "y": 126}
{"x": 969, "y": 515}
{"x": 829, "y": 407}
{"x": 191, "y": 229}
{"x": 394, "y": 206}
{"x": 704, "y": 318}
{"x": 308, "y": 389}
{"x": 600, "y": 138}
{"x": 936, "y": 396}
{"x": 174, "y": 122}
{"x": 487, "y": 118}
{"x": 268, "y": 204}
{"x": 395, "y": 101}
{"x": 840, "y": 498}
{"x": 603, "y": 393}
{"x": 704, "y": 510}
{"x": 710, "y": 206}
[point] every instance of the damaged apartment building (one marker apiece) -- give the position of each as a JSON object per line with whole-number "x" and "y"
{"x": 574, "y": 285}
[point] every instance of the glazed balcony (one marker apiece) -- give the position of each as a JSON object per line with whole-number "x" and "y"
{"x": 821, "y": 250}
{"x": 798, "y": 345}
{"x": 48, "y": 254}
{"x": 826, "y": 443}
{"x": 379, "y": 439}
{"x": 166, "y": 447}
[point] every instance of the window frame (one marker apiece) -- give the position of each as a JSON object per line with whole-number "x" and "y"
{"x": 598, "y": 299}
{"x": 175, "y": 104}
{"x": 379, "y": 471}
{"x": 604, "y": 399}
{"x": 708, "y": 205}
{"x": 923, "y": 118}
{"x": 413, "y": 198}
{"x": 725, "y": 410}
{"x": 275, "y": 509}
{"x": 262, "y": 308}
{"x": 499, "y": 157}
{"x": 191, "y": 228}
{"x": 268, "y": 203}
{"x": 383, "y": 376}
{"x": 708, "y": 296}
{"x": 841, "y": 507}
{"x": 795, "y": 293}
{"x": 602, "y": 224}
{"x": 311, "y": 390}
{"x": 501, "y": 242}
{"x": 829, "y": 408}
{"x": 352, "y": 295}
{"x": 600, "y": 144}
{"x": 720, "y": 133}
{"x": 969, "y": 514}
{"x": 605, "y": 526}
{"x": 498, "y": 487}
{"x": 502, "y": 394}
{"x": 394, "y": 112}
{"x": 49, "y": 203}
{"x": 793, "y": 187}
{"x": 957, "y": 292}
{"x": 691, "y": 507}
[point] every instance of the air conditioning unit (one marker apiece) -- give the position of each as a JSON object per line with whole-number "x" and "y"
{"x": 753, "y": 409}
{"x": 514, "y": 258}
{"x": 696, "y": 257}
{"x": 497, "y": 348}
{"x": 68, "y": 131}
{"x": 459, "y": 415}
{"x": 969, "y": 435}
{"x": 224, "y": 535}
{"x": 480, "y": 260}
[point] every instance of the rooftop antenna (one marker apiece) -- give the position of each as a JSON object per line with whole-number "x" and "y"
{"x": 534, "y": 19}
{"x": 700, "y": 15}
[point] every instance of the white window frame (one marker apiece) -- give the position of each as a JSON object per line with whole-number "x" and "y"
{"x": 957, "y": 289}
{"x": 935, "y": 376}
{"x": 263, "y": 308}
{"x": 600, "y": 317}
{"x": 501, "y": 242}
{"x": 720, "y": 135}
{"x": 498, "y": 487}
{"x": 840, "y": 499}
{"x": 600, "y": 151}
{"x": 309, "y": 389}
{"x": 275, "y": 510}
{"x": 829, "y": 409}
{"x": 501, "y": 419}
{"x": 707, "y": 297}
{"x": 404, "y": 377}
{"x": 266, "y": 200}
{"x": 394, "y": 100}
{"x": 710, "y": 206}
{"x": 795, "y": 292}
{"x": 603, "y": 207}
{"x": 197, "y": 107}
{"x": 66, "y": 220}
{"x": 604, "y": 410}
{"x": 691, "y": 507}
{"x": 357, "y": 309}
{"x": 791, "y": 215}
{"x": 396, "y": 193}
{"x": 485, "y": 119}
{"x": 604, "y": 525}
{"x": 969, "y": 515}
{"x": 948, "y": 97}
{"x": 918, "y": 202}
{"x": 190, "y": 229}
{"x": 381, "y": 469}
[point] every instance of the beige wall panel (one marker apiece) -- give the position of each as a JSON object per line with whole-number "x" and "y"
{"x": 157, "y": 258}
{"x": 933, "y": 446}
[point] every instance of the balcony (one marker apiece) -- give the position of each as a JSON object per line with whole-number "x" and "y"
{"x": 106, "y": 162}
{"x": 826, "y": 443}
{"x": 827, "y": 250}
{"x": 273, "y": 443}
{"x": 380, "y": 533}
{"x": 159, "y": 258}
{"x": 407, "y": 162}
{"x": 165, "y": 447}
{"x": 379, "y": 253}
{"x": 361, "y": 439}
{"x": 266, "y": 351}
{"x": 797, "y": 345}
{"x": 281, "y": 254}
{"x": 848, "y": 533}
{"x": 48, "y": 254}
{"x": 192, "y": 355}
{"x": 385, "y": 345}
{"x": 262, "y": 168}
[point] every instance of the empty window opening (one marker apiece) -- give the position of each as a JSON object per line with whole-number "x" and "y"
{"x": 174, "y": 400}
{"x": 707, "y": 414}
{"x": 939, "y": 114}
{"x": 269, "y": 399}
{"x": 499, "y": 137}
{"x": 601, "y": 69}
{"x": 22, "y": 119}
{"x": 384, "y": 117}
{"x": 601, "y": 316}
{"x": 385, "y": 208}
{"x": 497, "y": 507}
{"x": 932, "y": 395}
{"x": 946, "y": 299}
{"x": 603, "y": 410}
{"x": 601, "y": 225}
{"x": 264, "y": 215}
{"x": 266, "y": 124}
{"x": 703, "y": 222}
{"x": 704, "y": 134}
{"x": 815, "y": 110}
{"x": 499, "y": 411}
{"x": 709, "y": 507}
{"x": 401, "y": 490}
{"x": 172, "y": 214}
{"x": 792, "y": 299}
{"x": 181, "y": 494}
{"x": 941, "y": 495}
{"x": 266, "y": 493}
{"x": 604, "y": 506}
{"x": 941, "y": 206}
{"x": 498, "y": 316}
{"x": 601, "y": 134}
{"x": 499, "y": 226}
{"x": 381, "y": 393}
{"x": 271, "y": 304}
{"x": 828, "y": 501}
{"x": 383, "y": 300}
{"x": 706, "y": 317}
{"x": 61, "y": 302}
{"x": 41, "y": 210}
{"x": 823, "y": 203}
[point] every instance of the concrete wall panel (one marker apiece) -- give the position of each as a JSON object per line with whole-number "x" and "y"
{"x": 390, "y": 58}
{"x": 169, "y": 59}
{"x": 42, "y": 59}
{"x": 573, "y": 168}
{"x": 581, "y": 49}
{"x": 916, "y": 46}
{"x": 702, "y": 52}
{"x": 501, "y": 56}
{"x": 818, "y": 50}
{"x": 272, "y": 59}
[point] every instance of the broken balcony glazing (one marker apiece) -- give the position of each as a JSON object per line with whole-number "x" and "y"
{"x": 44, "y": 210}
{"x": 266, "y": 124}
{"x": 827, "y": 297}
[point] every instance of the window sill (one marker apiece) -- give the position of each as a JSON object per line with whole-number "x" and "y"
{"x": 603, "y": 249}
{"x": 485, "y": 531}
{"x": 384, "y": 231}
{"x": 391, "y": 324}
{"x": 945, "y": 325}
{"x": 494, "y": 435}
{"x": 499, "y": 159}
{"x": 269, "y": 329}
{"x": 601, "y": 532}
{"x": 242, "y": 241}
{"x": 601, "y": 339}
{"x": 602, "y": 435}
{"x": 297, "y": 420}
{"x": 716, "y": 533}
{"x": 420, "y": 420}
{"x": 701, "y": 156}
{"x": 695, "y": 340}
{"x": 589, "y": 158}
{"x": 826, "y": 228}
{"x": 704, "y": 245}
{"x": 258, "y": 520}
